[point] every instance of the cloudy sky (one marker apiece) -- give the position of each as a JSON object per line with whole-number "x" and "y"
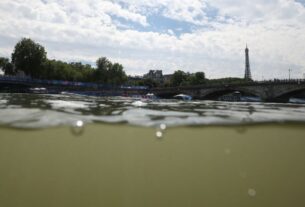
{"x": 192, "y": 35}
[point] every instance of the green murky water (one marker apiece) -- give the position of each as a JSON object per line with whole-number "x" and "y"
{"x": 82, "y": 151}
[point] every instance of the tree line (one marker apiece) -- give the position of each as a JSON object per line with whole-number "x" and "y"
{"x": 30, "y": 58}
{"x": 181, "y": 78}
{"x": 178, "y": 78}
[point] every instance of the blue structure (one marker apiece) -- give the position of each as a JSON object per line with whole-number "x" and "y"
{"x": 12, "y": 83}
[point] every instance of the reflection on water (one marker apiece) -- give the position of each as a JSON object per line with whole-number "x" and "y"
{"x": 34, "y": 111}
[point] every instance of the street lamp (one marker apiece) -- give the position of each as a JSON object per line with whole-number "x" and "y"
{"x": 289, "y": 72}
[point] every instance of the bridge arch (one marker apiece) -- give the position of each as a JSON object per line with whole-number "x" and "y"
{"x": 216, "y": 93}
{"x": 290, "y": 92}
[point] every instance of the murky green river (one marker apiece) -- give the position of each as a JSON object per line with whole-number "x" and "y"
{"x": 68, "y": 150}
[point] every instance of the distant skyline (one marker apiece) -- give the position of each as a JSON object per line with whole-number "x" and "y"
{"x": 191, "y": 35}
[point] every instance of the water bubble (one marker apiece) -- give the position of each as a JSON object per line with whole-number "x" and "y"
{"x": 79, "y": 123}
{"x": 78, "y": 128}
{"x": 163, "y": 126}
{"x": 227, "y": 151}
{"x": 251, "y": 192}
{"x": 159, "y": 134}
{"x": 160, "y": 131}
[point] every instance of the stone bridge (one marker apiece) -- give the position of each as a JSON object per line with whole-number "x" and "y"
{"x": 267, "y": 91}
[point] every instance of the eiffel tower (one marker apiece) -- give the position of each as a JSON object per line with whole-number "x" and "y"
{"x": 247, "y": 70}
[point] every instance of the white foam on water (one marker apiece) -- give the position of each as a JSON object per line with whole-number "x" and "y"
{"x": 49, "y": 111}
{"x": 3, "y": 101}
{"x": 67, "y": 104}
{"x": 139, "y": 103}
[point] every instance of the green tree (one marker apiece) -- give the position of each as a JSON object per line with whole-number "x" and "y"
{"x": 179, "y": 78}
{"x": 109, "y": 73}
{"x": 6, "y": 66}
{"x": 197, "y": 78}
{"x": 116, "y": 75}
{"x": 150, "y": 83}
{"x": 103, "y": 66}
{"x": 29, "y": 57}
{"x": 59, "y": 70}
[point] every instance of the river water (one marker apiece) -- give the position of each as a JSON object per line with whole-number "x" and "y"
{"x": 70, "y": 150}
{"x": 43, "y": 111}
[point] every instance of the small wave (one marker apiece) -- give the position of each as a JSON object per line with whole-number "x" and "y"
{"x": 67, "y": 104}
{"x": 49, "y": 111}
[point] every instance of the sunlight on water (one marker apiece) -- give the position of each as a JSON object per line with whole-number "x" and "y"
{"x": 139, "y": 104}
{"x": 58, "y": 104}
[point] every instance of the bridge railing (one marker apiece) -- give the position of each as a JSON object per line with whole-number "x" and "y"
{"x": 225, "y": 84}
{"x": 282, "y": 81}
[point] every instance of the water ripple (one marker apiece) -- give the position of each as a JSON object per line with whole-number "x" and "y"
{"x": 39, "y": 111}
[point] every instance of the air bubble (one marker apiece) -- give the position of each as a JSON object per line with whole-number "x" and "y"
{"x": 78, "y": 128}
{"x": 251, "y": 192}
{"x": 228, "y": 151}
{"x": 79, "y": 123}
{"x": 163, "y": 126}
{"x": 159, "y": 134}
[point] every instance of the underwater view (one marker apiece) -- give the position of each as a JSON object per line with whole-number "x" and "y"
{"x": 152, "y": 103}
{"x": 72, "y": 150}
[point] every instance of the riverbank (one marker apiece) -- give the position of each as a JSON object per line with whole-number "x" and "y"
{"x": 122, "y": 165}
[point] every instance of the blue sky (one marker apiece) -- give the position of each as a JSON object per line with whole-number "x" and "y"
{"x": 159, "y": 23}
{"x": 192, "y": 35}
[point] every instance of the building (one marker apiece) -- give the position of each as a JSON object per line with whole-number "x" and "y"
{"x": 155, "y": 75}
{"x": 247, "y": 65}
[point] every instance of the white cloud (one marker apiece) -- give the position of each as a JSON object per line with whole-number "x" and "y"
{"x": 192, "y": 11}
{"x": 85, "y": 30}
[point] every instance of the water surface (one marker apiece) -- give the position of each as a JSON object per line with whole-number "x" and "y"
{"x": 35, "y": 111}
